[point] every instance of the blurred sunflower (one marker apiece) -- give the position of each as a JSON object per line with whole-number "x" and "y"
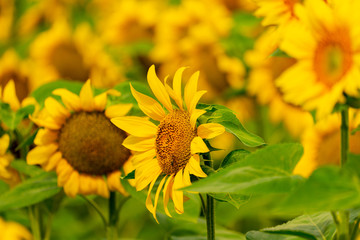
{"x": 189, "y": 34}
{"x": 6, "y": 19}
{"x": 322, "y": 143}
{"x": 265, "y": 70}
{"x": 7, "y": 174}
{"x": 79, "y": 55}
{"x": 238, "y": 5}
{"x": 169, "y": 150}
{"x": 325, "y": 42}
{"x": 81, "y": 143}
{"x": 13, "y": 231}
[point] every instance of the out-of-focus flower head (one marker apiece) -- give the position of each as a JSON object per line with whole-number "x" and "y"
{"x": 6, "y": 19}
{"x": 78, "y": 55}
{"x": 238, "y": 5}
{"x": 13, "y": 231}
{"x": 7, "y": 173}
{"x": 265, "y": 69}
{"x": 322, "y": 143}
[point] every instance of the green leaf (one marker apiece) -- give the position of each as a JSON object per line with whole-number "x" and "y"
{"x": 268, "y": 170}
{"x": 12, "y": 119}
{"x": 353, "y": 102}
{"x": 126, "y": 96}
{"x": 355, "y": 130}
{"x": 236, "y": 200}
{"x": 131, "y": 175}
{"x": 29, "y": 192}
{"x": 279, "y": 53}
{"x": 233, "y": 157}
{"x": 226, "y": 117}
{"x": 29, "y": 170}
{"x": 257, "y": 235}
{"x": 45, "y": 91}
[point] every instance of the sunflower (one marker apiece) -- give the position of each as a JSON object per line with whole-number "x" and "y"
{"x": 13, "y": 231}
{"x": 169, "y": 150}
{"x": 7, "y": 173}
{"x": 6, "y": 19}
{"x": 80, "y": 143}
{"x": 263, "y": 75}
{"x": 326, "y": 46}
{"x": 321, "y": 143}
{"x": 73, "y": 55}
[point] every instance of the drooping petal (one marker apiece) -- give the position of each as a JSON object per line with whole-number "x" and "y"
{"x": 71, "y": 187}
{"x": 139, "y": 157}
{"x": 158, "y": 89}
{"x": 195, "y": 101}
{"x": 210, "y": 130}
{"x": 195, "y": 115}
{"x": 41, "y": 154}
{"x": 148, "y": 105}
{"x": 137, "y": 126}
{"x": 53, "y": 161}
{"x": 194, "y": 166}
{"x": 10, "y": 96}
{"x": 118, "y": 110}
{"x": 102, "y": 188}
{"x": 177, "y": 87}
{"x": 198, "y": 146}
{"x": 138, "y": 143}
{"x": 45, "y": 136}
{"x": 143, "y": 179}
{"x": 166, "y": 194}
{"x": 161, "y": 184}
{"x": 114, "y": 184}
{"x": 148, "y": 202}
{"x": 191, "y": 88}
{"x": 63, "y": 171}
{"x": 87, "y": 97}
{"x": 177, "y": 195}
{"x": 56, "y": 110}
{"x": 70, "y": 99}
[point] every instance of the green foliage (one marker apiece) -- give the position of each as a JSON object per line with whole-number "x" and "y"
{"x": 355, "y": 130}
{"x": 233, "y": 157}
{"x": 279, "y": 53}
{"x": 12, "y": 118}
{"x": 226, "y": 117}
{"x": 30, "y": 191}
{"x": 23, "y": 167}
{"x": 268, "y": 170}
{"x": 353, "y": 102}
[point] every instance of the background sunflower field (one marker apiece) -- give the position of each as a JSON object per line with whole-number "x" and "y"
{"x": 277, "y": 150}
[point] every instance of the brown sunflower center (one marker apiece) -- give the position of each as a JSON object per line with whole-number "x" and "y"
{"x": 333, "y": 57}
{"x": 92, "y": 144}
{"x": 173, "y": 141}
{"x": 68, "y": 62}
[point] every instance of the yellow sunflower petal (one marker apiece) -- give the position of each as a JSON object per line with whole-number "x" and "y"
{"x": 210, "y": 130}
{"x": 186, "y": 176}
{"x": 10, "y": 96}
{"x": 195, "y": 101}
{"x": 86, "y": 97}
{"x": 198, "y": 146}
{"x": 177, "y": 87}
{"x": 56, "y": 110}
{"x": 195, "y": 115}
{"x": 137, "y": 126}
{"x": 161, "y": 184}
{"x": 138, "y": 143}
{"x": 45, "y": 136}
{"x": 177, "y": 195}
{"x": 100, "y": 101}
{"x": 148, "y": 202}
{"x": 166, "y": 194}
{"x": 148, "y": 105}
{"x": 70, "y": 100}
{"x": 53, "y": 161}
{"x": 194, "y": 166}
{"x": 4, "y": 143}
{"x": 71, "y": 187}
{"x": 144, "y": 179}
{"x": 191, "y": 88}
{"x": 114, "y": 184}
{"x": 118, "y": 110}
{"x": 158, "y": 89}
{"x": 41, "y": 154}
{"x": 139, "y": 157}
{"x": 63, "y": 170}
{"x": 102, "y": 188}
{"x": 87, "y": 184}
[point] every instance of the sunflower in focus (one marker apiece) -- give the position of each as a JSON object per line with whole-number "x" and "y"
{"x": 80, "y": 143}
{"x": 321, "y": 143}
{"x": 13, "y": 231}
{"x": 265, "y": 70}
{"x": 168, "y": 151}
{"x": 326, "y": 46}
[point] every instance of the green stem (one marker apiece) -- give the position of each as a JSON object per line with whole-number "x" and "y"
{"x": 210, "y": 206}
{"x": 341, "y": 218}
{"x": 34, "y": 222}
{"x": 111, "y": 231}
{"x": 96, "y": 208}
{"x": 355, "y": 230}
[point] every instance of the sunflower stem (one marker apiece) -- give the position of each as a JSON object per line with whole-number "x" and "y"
{"x": 341, "y": 218}
{"x": 210, "y": 205}
{"x": 111, "y": 230}
{"x": 96, "y": 208}
{"x": 34, "y": 222}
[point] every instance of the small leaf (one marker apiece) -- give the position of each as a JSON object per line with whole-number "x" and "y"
{"x": 355, "y": 130}
{"x": 131, "y": 175}
{"x": 279, "y": 53}
{"x": 236, "y": 200}
{"x": 29, "y": 192}
{"x": 29, "y": 170}
{"x": 233, "y": 157}
{"x": 12, "y": 119}
{"x": 353, "y": 102}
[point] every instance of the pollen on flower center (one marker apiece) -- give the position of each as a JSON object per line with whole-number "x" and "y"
{"x": 173, "y": 141}
{"x": 333, "y": 58}
{"x": 92, "y": 144}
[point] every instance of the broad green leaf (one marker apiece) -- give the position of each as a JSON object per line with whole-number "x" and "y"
{"x": 29, "y": 170}
{"x": 45, "y": 91}
{"x": 233, "y": 157}
{"x": 268, "y": 170}
{"x": 226, "y": 117}
{"x": 236, "y": 200}
{"x": 12, "y": 119}
{"x": 257, "y": 235}
{"x": 31, "y": 191}
{"x": 328, "y": 188}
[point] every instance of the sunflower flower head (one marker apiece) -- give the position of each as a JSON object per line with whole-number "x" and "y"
{"x": 14, "y": 231}
{"x": 7, "y": 173}
{"x": 80, "y": 143}
{"x": 168, "y": 151}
